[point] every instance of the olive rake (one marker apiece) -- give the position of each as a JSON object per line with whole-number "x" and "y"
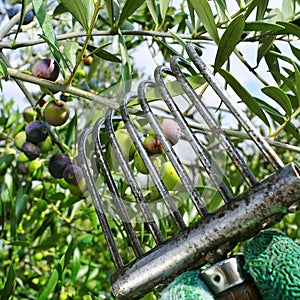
{"x": 214, "y": 233}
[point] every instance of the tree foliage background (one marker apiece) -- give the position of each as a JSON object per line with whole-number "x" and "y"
{"x": 51, "y": 242}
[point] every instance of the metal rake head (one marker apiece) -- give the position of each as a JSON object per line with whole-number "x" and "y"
{"x": 160, "y": 242}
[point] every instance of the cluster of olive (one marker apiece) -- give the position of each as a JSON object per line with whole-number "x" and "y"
{"x": 154, "y": 148}
{"x": 35, "y": 139}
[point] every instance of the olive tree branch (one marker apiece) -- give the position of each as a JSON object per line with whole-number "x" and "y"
{"x": 55, "y": 86}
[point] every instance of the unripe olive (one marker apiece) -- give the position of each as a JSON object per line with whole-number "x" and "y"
{"x": 47, "y": 68}
{"x": 73, "y": 174}
{"x": 45, "y": 145}
{"x": 169, "y": 176}
{"x": 31, "y": 150}
{"x": 29, "y": 114}
{"x": 36, "y": 131}
{"x": 56, "y": 113}
{"x": 153, "y": 145}
{"x": 126, "y": 143}
{"x": 34, "y": 165}
{"x": 171, "y": 130}
{"x": 57, "y": 164}
{"x": 139, "y": 163}
{"x": 22, "y": 158}
{"x": 20, "y": 139}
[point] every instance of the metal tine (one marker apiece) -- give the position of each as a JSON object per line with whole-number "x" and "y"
{"x": 194, "y": 53}
{"x": 210, "y": 120}
{"x": 195, "y": 197}
{"x": 150, "y": 222}
{"x": 83, "y": 159}
{"x": 190, "y": 135}
{"x": 117, "y": 200}
{"x": 174, "y": 212}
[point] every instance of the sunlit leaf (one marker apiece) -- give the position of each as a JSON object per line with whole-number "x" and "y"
{"x": 50, "y": 286}
{"x": 70, "y": 52}
{"x": 280, "y": 97}
{"x": 297, "y": 82}
{"x": 113, "y": 10}
{"x": 153, "y": 11}
{"x": 288, "y": 9}
{"x": 163, "y": 6}
{"x": 81, "y": 10}
{"x": 129, "y": 8}
{"x": 228, "y": 41}
{"x": 206, "y": 17}
{"x": 244, "y": 95}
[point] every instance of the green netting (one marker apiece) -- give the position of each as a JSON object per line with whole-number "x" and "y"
{"x": 273, "y": 260}
{"x": 187, "y": 286}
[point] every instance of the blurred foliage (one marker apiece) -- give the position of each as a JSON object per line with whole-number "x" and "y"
{"x": 51, "y": 243}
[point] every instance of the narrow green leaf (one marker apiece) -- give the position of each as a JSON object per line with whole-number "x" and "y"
{"x": 296, "y": 51}
{"x": 277, "y": 117}
{"x": 59, "y": 10}
{"x": 113, "y": 10}
{"x": 205, "y": 15}
{"x": 163, "y": 6}
{"x": 273, "y": 66}
{"x": 46, "y": 25}
{"x": 9, "y": 284}
{"x": 244, "y": 95}
{"x": 100, "y": 52}
{"x": 264, "y": 46}
{"x": 280, "y": 97}
{"x": 153, "y": 11}
{"x": 20, "y": 205}
{"x": 3, "y": 69}
{"x": 290, "y": 28}
{"x": 262, "y": 26}
{"x": 23, "y": 9}
{"x": 129, "y": 8}
{"x": 81, "y": 10}
{"x": 229, "y": 40}
{"x": 50, "y": 286}
{"x": 126, "y": 65}
{"x": 261, "y": 6}
{"x": 297, "y": 82}
{"x": 70, "y": 52}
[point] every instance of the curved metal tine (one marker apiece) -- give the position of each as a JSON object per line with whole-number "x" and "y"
{"x": 262, "y": 144}
{"x": 184, "y": 177}
{"x": 211, "y": 122}
{"x": 190, "y": 135}
{"x": 150, "y": 222}
{"x": 83, "y": 159}
{"x": 175, "y": 214}
{"x": 135, "y": 244}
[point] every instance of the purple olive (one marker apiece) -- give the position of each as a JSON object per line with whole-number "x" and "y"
{"x": 11, "y": 12}
{"x": 46, "y": 68}
{"x": 73, "y": 174}
{"x": 31, "y": 150}
{"x": 36, "y": 131}
{"x": 57, "y": 164}
{"x": 171, "y": 130}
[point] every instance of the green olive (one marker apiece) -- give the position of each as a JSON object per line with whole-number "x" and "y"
{"x": 169, "y": 176}
{"x": 139, "y": 163}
